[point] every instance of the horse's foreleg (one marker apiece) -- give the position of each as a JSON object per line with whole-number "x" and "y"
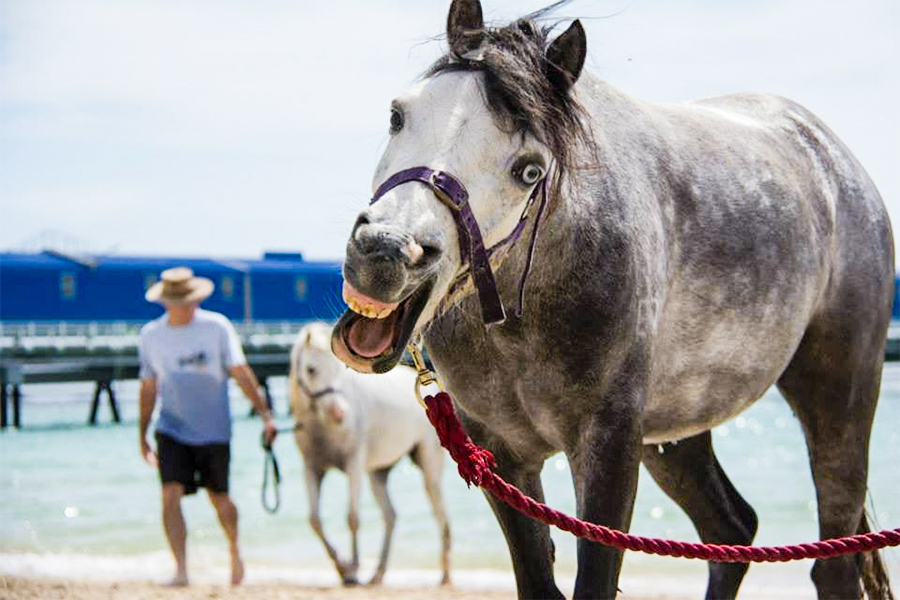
{"x": 313, "y": 484}
{"x": 604, "y": 464}
{"x": 690, "y": 474}
{"x": 530, "y": 546}
{"x": 379, "y": 489}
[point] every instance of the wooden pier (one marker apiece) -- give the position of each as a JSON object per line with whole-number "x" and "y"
{"x": 267, "y": 354}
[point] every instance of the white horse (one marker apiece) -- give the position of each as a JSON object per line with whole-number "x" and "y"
{"x": 360, "y": 424}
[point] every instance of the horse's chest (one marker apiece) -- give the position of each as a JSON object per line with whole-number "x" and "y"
{"x": 516, "y": 398}
{"x": 324, "y": 448}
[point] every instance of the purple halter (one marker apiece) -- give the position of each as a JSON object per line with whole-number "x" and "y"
{"x": 450, "y": 191}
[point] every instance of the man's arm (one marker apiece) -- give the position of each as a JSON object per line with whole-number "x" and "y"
{"x": 147, "y": 403}
{"x": 246, "y": 380}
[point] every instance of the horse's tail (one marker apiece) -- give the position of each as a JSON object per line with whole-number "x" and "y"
{"x": 871, "y": 569}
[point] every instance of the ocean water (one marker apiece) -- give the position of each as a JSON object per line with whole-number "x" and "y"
{"x": 79, "y": 502}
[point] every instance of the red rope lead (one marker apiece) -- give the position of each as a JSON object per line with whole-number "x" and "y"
{"x": 476, "y": 464}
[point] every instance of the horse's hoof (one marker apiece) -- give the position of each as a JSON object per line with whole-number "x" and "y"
{"x": 377, "y": 579}
{"x": 445, "y": 580}
{"x": 349, "y": 580}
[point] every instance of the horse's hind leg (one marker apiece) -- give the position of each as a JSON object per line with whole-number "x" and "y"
{"x": 690, "y": 474}
{"x": 355, "y": 468}
{"x": 379, "y": 480}
{"x": 832, "y": 385}
{"x": 429, "y": 456}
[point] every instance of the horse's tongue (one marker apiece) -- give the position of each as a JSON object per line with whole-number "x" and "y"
{"x": 371, "y": 337}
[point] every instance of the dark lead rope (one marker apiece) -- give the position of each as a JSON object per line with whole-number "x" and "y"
{"x": 271, "y": 463}
{"x": 276, "y": 474}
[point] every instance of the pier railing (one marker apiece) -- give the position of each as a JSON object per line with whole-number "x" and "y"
{"x": 45, "y": 352}
{"x": 121, "y": 334}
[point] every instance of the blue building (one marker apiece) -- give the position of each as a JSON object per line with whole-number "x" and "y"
{"x": 895, "y": 309}
{"x": 50, "y": 286}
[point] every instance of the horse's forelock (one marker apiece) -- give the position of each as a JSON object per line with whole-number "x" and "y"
{"x": 316, "y": 335}
{"x": 518, "y": 92}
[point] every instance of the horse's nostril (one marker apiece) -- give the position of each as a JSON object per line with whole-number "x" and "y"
{"x": 361, "y": 220}
{"x": 420, "y": 255}
{"x": 430, "y": 252}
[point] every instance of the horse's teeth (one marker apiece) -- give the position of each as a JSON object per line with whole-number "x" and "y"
{"x": 369, "y": 310}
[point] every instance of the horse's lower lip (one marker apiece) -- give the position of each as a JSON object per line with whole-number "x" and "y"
{"x": 411, "y": 308}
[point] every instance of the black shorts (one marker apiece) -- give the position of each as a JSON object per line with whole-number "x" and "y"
{"x": 193, "y": 466}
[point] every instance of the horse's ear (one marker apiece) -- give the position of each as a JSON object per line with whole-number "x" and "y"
{"x": 565, "y": 57}
{"x": 308, "y": 339}
{"x": 465, "y": 26}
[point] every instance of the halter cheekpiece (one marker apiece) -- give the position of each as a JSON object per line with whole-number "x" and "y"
{"x": 452, "y": 193}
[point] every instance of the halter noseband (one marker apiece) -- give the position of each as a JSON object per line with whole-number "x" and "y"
{"x": 313, "y": 396}
{"x": 451, "y": 192}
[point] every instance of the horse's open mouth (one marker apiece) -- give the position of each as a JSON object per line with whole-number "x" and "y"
{"x": 371, "y": 336}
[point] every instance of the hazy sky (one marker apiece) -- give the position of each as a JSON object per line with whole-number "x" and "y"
{"x": 226, "y": 128}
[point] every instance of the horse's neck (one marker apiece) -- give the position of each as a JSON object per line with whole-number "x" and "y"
{"x": 571, "y": 232}
{"x": 615, "y": 115}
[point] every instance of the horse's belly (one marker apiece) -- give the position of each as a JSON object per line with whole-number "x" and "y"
{"x": 696, "y": 404}
{"x": 697, "y": 388}
{"x": 390, "y": 444}
{"x": 394, "y": 430}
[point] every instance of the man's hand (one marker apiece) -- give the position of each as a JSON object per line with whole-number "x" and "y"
{"x": 148, "y": 453}
{"x": 270, "y": 430}
{"x": 147, "y": 399}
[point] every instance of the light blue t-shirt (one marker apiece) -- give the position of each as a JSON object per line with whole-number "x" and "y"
{"x": 191, "y": 366}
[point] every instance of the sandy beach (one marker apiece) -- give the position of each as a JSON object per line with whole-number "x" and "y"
{"x": 17, "y": 588}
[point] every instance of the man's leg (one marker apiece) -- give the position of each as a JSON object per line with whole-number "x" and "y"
{"x": 228, "y": 517}
{"x": 176, "y": 532}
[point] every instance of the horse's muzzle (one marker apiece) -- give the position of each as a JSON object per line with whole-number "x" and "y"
{"x": 381, "y": 260}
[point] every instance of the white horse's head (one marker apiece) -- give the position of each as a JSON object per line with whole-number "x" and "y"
{"x": 314, "y": 372}
{"x": 491, "y": 115}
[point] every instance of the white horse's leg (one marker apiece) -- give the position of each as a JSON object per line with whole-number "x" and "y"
{"x": 313, "y": 483}
{"x": 430, "y": 458}
{"x": 379, "y": 489}
{"x": 355, "y": 469}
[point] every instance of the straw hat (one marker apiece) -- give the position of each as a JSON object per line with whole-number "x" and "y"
{"x": 179, "y": 286}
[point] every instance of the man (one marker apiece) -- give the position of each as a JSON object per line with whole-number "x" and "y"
{"x": 186, "y": 356}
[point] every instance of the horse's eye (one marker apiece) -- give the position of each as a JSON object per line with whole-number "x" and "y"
{"x": 311, "y": 371}
{"x": 396, "y": 120}
{"x": 530, "y": 174}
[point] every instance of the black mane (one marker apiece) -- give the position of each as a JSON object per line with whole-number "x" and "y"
{"x": 518, "y": 91}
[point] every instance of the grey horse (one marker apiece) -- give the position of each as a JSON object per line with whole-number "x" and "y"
{"x": 689, "y": 257}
